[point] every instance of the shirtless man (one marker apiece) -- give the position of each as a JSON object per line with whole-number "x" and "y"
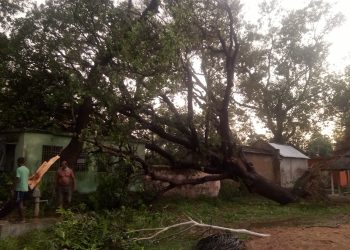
{"x": 65, "y": 184}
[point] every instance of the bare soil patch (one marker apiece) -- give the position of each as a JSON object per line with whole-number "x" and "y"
{"x": 315, "y": 237}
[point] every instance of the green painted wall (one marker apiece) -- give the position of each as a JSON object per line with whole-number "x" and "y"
{"x": 30, "y": 146}
{"x": 33, "y": 147}
{"x": 87, "y": 182}
{"x": 19, "y": 152}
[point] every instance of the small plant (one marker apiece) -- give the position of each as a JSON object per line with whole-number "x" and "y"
{"x": 5, "y": 187}
{"x": 118, "y": 187}
{"x": 92, "y": 231}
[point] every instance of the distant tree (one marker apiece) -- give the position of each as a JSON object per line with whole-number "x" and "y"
{"x": 283, "y": 65}
{"x": 319, "y": 145}
{"x": 339, "y": 109}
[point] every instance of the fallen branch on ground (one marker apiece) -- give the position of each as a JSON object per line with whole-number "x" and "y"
{"x": 191, "y": 223}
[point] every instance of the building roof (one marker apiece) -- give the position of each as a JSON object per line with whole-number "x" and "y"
{"x": 337, "y": 163}
{"x": 253, "y": 150}
{"x": 37, "y": 131}
{"x": 288, "y": 151}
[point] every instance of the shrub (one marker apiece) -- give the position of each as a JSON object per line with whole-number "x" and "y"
{"x": 232, "y": 189}
{"x": 111, "y": 192}
{"x": 92, "y": 231}
{"x": 5, "y": 187}
{"x": 118, "y": 187}
{"x": 35, "y": 240}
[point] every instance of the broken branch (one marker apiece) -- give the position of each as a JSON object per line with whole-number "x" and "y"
{"x": 191, "y": 223}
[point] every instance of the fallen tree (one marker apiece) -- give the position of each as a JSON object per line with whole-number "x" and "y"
{"x": 140, "y": 93}
{"x": 194, "y": 132}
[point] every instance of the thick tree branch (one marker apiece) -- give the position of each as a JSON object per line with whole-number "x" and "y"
{"x": 155, "y": 148}
{"x": 188, "y": 80}
{"x": 151, "y": 8}
{"x": 193, "y": 223}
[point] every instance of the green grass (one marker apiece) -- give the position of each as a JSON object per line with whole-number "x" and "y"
{"x": 248, "y": 212}
{"x": 242, "y": 209}
{"x": 30, "y": 241}
{"x": 242, "y": 212}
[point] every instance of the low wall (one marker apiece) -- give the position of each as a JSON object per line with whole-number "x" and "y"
{"x": 210, "y": 189}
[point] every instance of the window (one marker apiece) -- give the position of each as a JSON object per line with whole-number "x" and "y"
{"x": 50, "y": 151}
{"x": 81, "y": 162}
{"x": 7, "y": 157}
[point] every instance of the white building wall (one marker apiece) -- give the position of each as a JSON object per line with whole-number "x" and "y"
{"x": 291, "y": 170}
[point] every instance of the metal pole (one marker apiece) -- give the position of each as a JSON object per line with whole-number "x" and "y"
{"x": 332, "y": 183}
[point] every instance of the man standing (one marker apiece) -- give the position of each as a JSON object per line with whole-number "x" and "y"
{"x": 65, "y": 184}
{"x": 22, "y": 174}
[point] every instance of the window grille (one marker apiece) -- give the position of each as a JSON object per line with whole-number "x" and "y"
{"x": 50, "y": 151}
{"x": 81, "y": 163}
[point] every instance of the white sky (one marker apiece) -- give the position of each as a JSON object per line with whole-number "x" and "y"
{"x": 339, "y": 55}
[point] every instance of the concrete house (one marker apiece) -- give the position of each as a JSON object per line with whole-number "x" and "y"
{"x": 38, "y": 146}
{"x": 35, "y": 145}
{"x": 282, "y": 164}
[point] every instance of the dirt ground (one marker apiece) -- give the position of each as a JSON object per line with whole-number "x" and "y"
{"x": 302, "y": 237}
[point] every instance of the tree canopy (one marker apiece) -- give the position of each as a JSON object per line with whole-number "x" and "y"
{"x": 166, "y": 72}
{"x": 339, "y": 108}
{"x": 319, "y": 146}
{"x": 284, "y": 65}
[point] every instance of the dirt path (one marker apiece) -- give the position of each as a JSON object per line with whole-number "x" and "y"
{"x": 303, "y": 237}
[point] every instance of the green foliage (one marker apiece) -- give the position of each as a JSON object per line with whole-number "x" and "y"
{"x": 8, "y": 8}
{"x": 6, "y": 185}
{"x": 78, "y": 231}
{"x": 283, "y": 77}
{"x": 319, "y": 145}
{"x": 131, "y": 69}
{"x": 118, "y": 186}
{"x": 108, "y": 230}
{"x": 238, "y": 211}
{"x": 339, "y": 110}
{"x": 230, "y": 189}
{"x": 36, "y": 240}
{"x": 111, "y": 191}
{"x": 92, "y": 231}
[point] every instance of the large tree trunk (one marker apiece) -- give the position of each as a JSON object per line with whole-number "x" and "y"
{"x": 258, "y": 184}
{"x": 72, "y": 152}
